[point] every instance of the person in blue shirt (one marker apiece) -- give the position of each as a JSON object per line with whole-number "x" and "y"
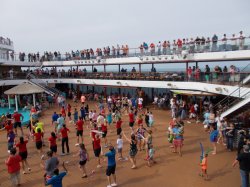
{"x": 214, "y": 137}
{"x": 55, "y": 116}
{"x": 83, "y": 112}
{"x": 111, "y": 166}
{"x": 56, "y": 180}
{"x": 75, "y": 115}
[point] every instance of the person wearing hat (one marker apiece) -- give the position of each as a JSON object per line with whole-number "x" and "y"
{"x": 243, "y": 160}
{"x": 111, "y": 166}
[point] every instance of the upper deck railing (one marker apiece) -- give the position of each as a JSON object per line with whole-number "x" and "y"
{"x": 225, "y": 78}
{"x": 232, "y": 44}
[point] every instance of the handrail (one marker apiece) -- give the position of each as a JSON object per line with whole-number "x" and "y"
{"x": 191, "y": 46}
{"x": 226, "y": 99}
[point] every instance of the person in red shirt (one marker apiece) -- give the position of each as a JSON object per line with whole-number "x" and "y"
{"x": 131, "y": 119}
{"x": 63, "y": 112}
{"x": 38, "y": 139}
{"x": 97, "y": 149}
{"x": 13, "y": 165}
{"x": 189, "y": 73}
{"x": 52, "y": 142}
{"x": 79, "y": 130}
{"x": 139, "y": 120}
{"x": 69, "y": 111}
{"x": 118, "y": 126}
{"x": 65, "y": 139}
{"x": 8, "y": 127}
{"x": 23, "y": 153}
{"x": 17, "y": 121}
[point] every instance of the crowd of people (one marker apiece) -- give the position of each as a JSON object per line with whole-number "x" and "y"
{"x": 190, "y": 45}
{"x": 100, "y": 119}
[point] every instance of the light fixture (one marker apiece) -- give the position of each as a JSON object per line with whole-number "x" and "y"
{"x": 78, "y": 81}
{"x": 166, "y": 58}
{"x": 169, "y": 84}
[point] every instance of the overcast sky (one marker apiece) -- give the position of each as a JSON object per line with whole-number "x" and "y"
{"x": 65, "y": 25}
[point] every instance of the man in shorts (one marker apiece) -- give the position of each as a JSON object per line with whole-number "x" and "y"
{"x": 79, "y": 130}
{"x": 17, "y": 121}
{"x": 111, "y": 166}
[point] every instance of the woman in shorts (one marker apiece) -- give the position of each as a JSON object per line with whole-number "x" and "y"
{"x": 23, "y": 153}
{"x": 52, "y": 143}
{"x": 84, "y": 157}
{"x": 133, "y": 149}
{"x": 38, "y": 139}
{"x": 97, "y": 149}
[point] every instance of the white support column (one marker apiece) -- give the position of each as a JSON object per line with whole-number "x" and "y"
{"x": 16, "y": 102}
{"x": 34, "y": 100}
{"x": 9, "y": 101}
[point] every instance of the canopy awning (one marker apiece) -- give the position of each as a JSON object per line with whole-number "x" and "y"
{"x": 23, "y": 89}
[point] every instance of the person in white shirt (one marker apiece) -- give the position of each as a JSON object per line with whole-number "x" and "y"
{"x": 234, "y": 42}
{"x": 224, "y": 42}
{"x": 100, "y": 121}
{"x": 140, "y": 101}
{"x": 241, "y": 40}
{"x": 119, "y": 143}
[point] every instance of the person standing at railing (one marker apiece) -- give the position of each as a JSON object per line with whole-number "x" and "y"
{"x": 152, "y": 49}
{"x": 174, "y": 47}
{"x": 189, "y": 73}
{"x": 214, "y": 43}
{"x": 207, "y": 73}
{"x": 197, "y": 43}
{"x": 164, "y": 47}
{"x": 234, "y": 42}
{"x": 207, "y": 47}
{"x": 241, "y": 40}
{"x": 203, "y": 41}
{"x": 118, "y": 50}
{"x": 197, "y": 73}
{"x": 179, "y": 44}
{"x": 141, "y": 50}
{"x": 159, "y": 48}
{"x": 145, "y": 46}
{"x": 224, "y": 42}
{"x": 191, "y": 44}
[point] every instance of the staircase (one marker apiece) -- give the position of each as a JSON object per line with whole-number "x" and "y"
{"x": 231, "y": 105}
{"x": 37, "y": 80}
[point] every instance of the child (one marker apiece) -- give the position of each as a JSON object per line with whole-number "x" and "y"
{"x": 213, "y": 137}
{"x": 151, "y": 153}
{"x": 204, "y": 167}
{"x": 151, "y": 119}
{"x": 11, "y": 139}
{"x": 119, "y": 143}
